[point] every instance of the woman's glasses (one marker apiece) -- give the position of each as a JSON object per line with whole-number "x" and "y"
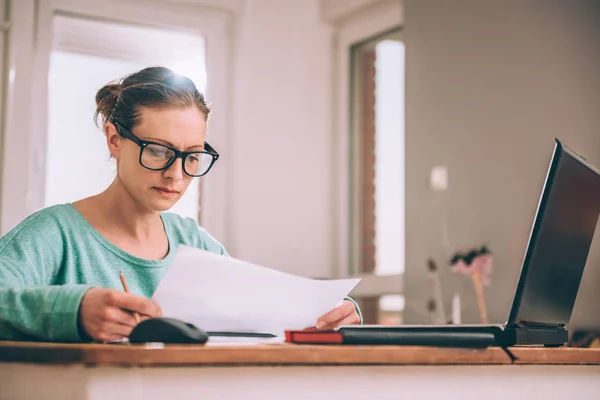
{"x": 158, "y": 157}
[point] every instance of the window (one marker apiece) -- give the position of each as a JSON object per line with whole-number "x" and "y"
{"x": 40, "y": 45}
{"x": 377, "y": 169}
{"x": 80, "y": 64}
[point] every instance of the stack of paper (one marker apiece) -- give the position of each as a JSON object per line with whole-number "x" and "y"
{"x": 222, "y": 294}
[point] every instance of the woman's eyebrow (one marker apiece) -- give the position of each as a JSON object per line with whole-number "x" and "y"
{"x": 198, "y": 146}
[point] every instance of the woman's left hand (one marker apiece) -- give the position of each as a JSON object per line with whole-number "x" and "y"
{"x": 344, "y": 314}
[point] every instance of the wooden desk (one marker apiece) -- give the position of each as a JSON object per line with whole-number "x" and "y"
{"x": 62, "y": 371}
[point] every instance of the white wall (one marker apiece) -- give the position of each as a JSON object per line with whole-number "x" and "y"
{"x": 281, "y": 183}
{"x": 489, "y": 85}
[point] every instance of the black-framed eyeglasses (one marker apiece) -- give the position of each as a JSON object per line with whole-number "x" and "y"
{"x": 157, "y": 157}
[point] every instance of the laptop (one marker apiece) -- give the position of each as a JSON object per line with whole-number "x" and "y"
{"x": 554, "y": 261}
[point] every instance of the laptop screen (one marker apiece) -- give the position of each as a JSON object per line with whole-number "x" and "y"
{"x": 559, "y": 242}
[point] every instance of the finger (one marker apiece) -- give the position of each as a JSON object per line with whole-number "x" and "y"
{"x": 137, "y": 304}
{"x": 119, "y": 330}
{"x": 102, "y": 338}
{"x": 143, "y": 317}
{"x": 122, "y": 317}
{"x": 337, "y": 314}
{"x": 334, "y": 315}
{"x": 330, "y": 325}
{"x": 351, "y": 319}
{"x": 310, "y": 329}
{"x": 113, "y": 331}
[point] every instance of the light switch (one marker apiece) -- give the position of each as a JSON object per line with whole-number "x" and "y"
{"x": 438, "y": 180}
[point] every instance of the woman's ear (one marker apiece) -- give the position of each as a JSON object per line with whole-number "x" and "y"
{"x": 113, "y": 139}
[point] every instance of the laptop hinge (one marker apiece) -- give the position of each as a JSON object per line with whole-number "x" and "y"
{"x": 527, "y": 333}
{"x": 538, "y": 325}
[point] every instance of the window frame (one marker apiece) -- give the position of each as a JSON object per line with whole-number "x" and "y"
{"x": 26, "y": 112}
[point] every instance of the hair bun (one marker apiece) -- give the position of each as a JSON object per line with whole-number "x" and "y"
{"x": 106, "y": 98}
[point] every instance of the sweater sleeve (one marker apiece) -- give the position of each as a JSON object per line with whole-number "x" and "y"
{"x": 37, "y": 312}
{"x": 211, "y": 244}
{"x": 32, "y": 307}
{"x": 350, "y": 299}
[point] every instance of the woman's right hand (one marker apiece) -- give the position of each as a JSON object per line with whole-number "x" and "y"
{"x": 106, "y": 314}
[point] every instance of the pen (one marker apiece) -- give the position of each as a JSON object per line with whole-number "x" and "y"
{"x": 126, "y": 288}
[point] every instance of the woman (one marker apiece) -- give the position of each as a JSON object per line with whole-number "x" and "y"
{"x": 59, "y": 268}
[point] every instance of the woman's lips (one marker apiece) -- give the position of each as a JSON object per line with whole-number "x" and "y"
{"x": 166, "y": 192}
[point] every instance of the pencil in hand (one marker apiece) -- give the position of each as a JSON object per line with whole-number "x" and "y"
{"x": 126, "y": 288}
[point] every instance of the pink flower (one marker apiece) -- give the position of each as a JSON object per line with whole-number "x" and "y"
{"x": 480, "y": 265}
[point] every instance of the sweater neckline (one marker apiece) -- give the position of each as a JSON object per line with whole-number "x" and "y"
{"x": 120, "y": 252}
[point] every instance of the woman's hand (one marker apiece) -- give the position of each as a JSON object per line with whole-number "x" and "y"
{"x": 344, "y": 314}
{"x": 106, "y": 314}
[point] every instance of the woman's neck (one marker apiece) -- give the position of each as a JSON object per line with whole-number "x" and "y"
{"x": 114, "y": 209}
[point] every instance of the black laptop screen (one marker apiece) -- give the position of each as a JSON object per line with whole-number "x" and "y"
{"x": 559, "y": 242}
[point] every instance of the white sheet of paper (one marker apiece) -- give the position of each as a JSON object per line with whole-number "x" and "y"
{"x": 221, "y": 293}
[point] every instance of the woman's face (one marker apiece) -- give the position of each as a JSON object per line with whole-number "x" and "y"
{"x": 181, "y": 129}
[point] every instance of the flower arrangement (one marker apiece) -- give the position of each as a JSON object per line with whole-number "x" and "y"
{"x": 476, "y": 264}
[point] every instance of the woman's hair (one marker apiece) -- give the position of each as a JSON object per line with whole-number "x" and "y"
{"x": 153, "y": 87}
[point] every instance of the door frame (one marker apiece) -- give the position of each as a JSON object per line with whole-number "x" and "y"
{"x": 351, "y": 29}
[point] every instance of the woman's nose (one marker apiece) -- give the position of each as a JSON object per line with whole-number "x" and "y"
{"x": 175, "y": 170}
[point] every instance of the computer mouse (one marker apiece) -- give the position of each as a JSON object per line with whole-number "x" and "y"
{"x": 167, "y": 330}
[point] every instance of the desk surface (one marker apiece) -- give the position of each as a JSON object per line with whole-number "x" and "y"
{"x": 281, "y": 354}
